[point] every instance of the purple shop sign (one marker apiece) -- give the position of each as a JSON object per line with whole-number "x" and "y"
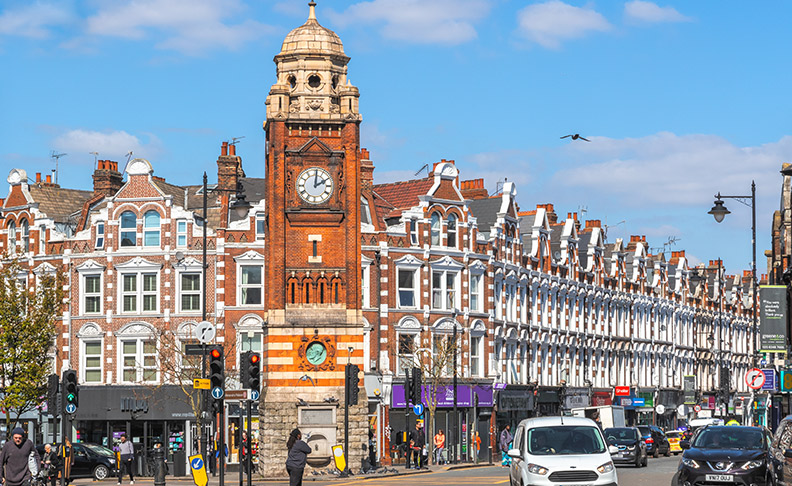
{"x": 445, "y": 396}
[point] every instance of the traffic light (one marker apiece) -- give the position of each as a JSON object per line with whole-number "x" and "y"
{"x": 53, "y": 387}
{"x": 250, "y": 370}
{"x": 352, "y": 382}
{"x": 71, "y": 391}
{"x": 407, "y": 385}
{"x": 217, "y": 367}
{"x": 415, "y": 387}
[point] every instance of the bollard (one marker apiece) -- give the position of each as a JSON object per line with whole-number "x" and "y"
{"x": 158, "y": 463}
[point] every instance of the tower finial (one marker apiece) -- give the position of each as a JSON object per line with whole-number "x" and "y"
{"x": 312, "y": 10}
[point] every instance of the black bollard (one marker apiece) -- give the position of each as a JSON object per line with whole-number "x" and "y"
{"x": 159, "y": 466}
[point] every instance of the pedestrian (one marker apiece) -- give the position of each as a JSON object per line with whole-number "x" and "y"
{"x": 439, "y": 443}
{"x": 505, "y": 444}
{"x": 417, "y": 443}
{"x": 476, "y": 442}
{"x": 126, "y": 453}
{"x": 50, "y": 464}
{"x": 15, "y": 459}
{"x": 298, "y": 454}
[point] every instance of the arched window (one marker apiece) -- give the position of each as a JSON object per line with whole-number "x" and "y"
{"x": 435, "y": 229}
{"x": 321, "y": 291}
{"x": 306, "y": 284}
{"x": 12, "y": 236}
{"x": 128, "y": 229}
{"x": 151, "y": 228}
{"x": 452, "y": 231}
{"x": 25, "y": 227}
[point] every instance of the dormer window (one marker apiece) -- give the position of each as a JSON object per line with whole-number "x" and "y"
{"x": 435, "y": 229}
{"x": 128, "y": 229}
{"x": 451, "y": 233}
{"x": 151, "y": 229}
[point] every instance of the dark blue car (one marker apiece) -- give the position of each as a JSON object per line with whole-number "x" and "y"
{"x": 656, "y": 441}
{"x": 727, "y": 455}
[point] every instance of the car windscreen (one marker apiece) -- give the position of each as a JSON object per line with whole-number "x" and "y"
{"x": 620, "y": 434}
{"x": 102, "y": 451}
{"x": 673, "y": 435}
{"x": 565, "y": 440}
{"x": 729, "y": 438}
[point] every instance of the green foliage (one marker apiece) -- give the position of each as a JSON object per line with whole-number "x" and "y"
{"x": 27, "y": 332}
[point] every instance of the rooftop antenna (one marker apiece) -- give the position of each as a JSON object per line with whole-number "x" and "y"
{"x": 426, "y": 167}
{"x": 499, "y": 187}
{"x": 582, "y": 210}
{"x": 129, "y": 156}
{"x": 609, "y": 226}
{"x": 56, "y": 156}
{"x": 96, "y": 158}
{"x": 234, "y": 140}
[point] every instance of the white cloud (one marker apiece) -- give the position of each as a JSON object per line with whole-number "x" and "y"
{"x": 110, "y": 144}
{"x": 666, "y": 169}
{"x": 34, "y": 20}
{"x": 643, "y": 11}
{"x": 550, "y": 23}
{"x": 447, "y": 22}
{"x": 188, "y": 26}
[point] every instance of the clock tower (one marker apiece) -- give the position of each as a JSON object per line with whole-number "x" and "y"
{"x": 314, "y": 323}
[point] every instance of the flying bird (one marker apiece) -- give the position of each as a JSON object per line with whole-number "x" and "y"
{"x": 576, "y": 136}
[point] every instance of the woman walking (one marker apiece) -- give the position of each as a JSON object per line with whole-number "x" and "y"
{"x": 298, "y": 452}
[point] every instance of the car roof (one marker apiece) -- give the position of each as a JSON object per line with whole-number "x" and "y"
{"x": 556, "y": 421}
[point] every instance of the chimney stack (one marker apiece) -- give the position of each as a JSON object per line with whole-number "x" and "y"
{"x": 229, "y": 168}
{"x": 473, "y": 189}
{"x": 106, "y": 178}
{"x": 366, "y": 170}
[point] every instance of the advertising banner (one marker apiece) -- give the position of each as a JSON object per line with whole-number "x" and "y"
{"x": 772, "y": 318}
{"x": 689, "y": 389}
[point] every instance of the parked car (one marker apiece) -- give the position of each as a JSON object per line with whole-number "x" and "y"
{"x": 632, "y": 450}
{"x": 674, "y": 437}
{"x": 727, "y": 455}
{"x": 89, "y": 460}
{"x": 561, "y": 450}
{"x": 781, "y": 450}
{"x": 656, "y": 441}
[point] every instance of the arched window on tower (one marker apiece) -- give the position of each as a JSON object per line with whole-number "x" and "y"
{"x": 321, "y": 290}
{"x": 306, "y": 290}
{"x": 436, "y": 229}
{"x": 291, "y": 291}
{"x": 451, "y": 232}
{"x": 336, "y": 290}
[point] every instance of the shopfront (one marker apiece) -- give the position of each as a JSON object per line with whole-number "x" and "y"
{"x": 548, "y": 401}
{"x": 576, "y": 398}
{"x": 515, "y": 403}
{"x": 145, "y": 415}
{"x": 601, "y": 398}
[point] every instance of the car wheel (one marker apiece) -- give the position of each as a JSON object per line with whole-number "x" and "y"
{"x": 645, "y": 461}
{"x": 101, "y": 472}
{"x": 668, "y": 452}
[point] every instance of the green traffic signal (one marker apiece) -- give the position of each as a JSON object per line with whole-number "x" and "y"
{"x": 70, "y": 397}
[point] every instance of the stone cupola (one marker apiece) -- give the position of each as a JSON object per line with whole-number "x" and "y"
{"x": 312, "y": 82}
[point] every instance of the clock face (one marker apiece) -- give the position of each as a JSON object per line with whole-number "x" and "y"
{"x": 315, "y": 185}
{"x": 316, "y": 353}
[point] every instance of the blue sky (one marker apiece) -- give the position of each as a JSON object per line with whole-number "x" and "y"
{"x": 680, "y": 100}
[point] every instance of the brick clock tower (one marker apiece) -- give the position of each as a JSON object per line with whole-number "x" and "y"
{"x": 314, "y": 323}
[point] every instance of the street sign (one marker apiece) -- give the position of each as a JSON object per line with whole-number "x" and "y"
{"x": 198, "y": 470}
{"x": 418, "y": 409}
{"x": 217, "y": 393}
{"x": 697, "y": 408}
{"x": 237, "y": 394}
{"x": 621, "y": 391}
{"x": 202, "y": 383}
{"x": 71, "y": 408}
{"x": 770, "y": 380}
{"x": 194, "y": 349}
{"x": 785, "y": 384}
{"x": 638, "y": 402}
{"x": 205, "y": 332}
{"x": 660, "y": 408}
{"x": 254, "y": 394}
{"x": 754, "y": 378}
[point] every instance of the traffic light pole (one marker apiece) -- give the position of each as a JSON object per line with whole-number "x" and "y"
{"x": 347, "y": 394}
{"x": 249, "y": 446}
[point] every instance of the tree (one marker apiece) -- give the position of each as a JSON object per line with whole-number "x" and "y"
{"x": 27, "y": 334}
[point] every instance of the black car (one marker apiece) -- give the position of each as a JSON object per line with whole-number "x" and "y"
{"x": 727, "y": 454}
{"x": 632, "y": 449}
{"x": 89, "y": 460}
{"x": 656, "y": 441}
{"x": 781, "y": 449}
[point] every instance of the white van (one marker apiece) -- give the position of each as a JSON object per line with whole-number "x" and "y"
{"x": 565, "y": 450}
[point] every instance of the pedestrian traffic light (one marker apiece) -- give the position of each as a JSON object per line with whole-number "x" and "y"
{"x": 71, "y": 391}
{"x": 53, "y": 387}
{"x": 250, "y": 370}
{"x": 415, "y": 387}
{"x": 352, "y": 382}
{"x": 217, "y": 367}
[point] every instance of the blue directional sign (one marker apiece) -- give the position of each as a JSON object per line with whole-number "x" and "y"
{"x": 418, "y": 409}
{"x": 196, "y": 463}
{"x": 71, "y": 408}
{"x": 254, "y": 394}
{"x": 770, "y": 380}
{"x": 217, "y": 393}
{"x": 638, "y": 402}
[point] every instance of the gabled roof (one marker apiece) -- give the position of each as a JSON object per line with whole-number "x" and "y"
{"x": 62, "y": 205}
{"x": 403, "y": 195}
{"x": 486, "y": 212}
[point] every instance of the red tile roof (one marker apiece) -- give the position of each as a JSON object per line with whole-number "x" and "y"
{"x": 404, "y": 194}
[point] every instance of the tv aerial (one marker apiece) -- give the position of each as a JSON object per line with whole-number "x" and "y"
{"x": 56, "y": 156}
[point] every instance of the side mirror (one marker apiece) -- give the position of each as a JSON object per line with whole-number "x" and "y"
{"x": 788, "y": 453}
{"x": 515, "y": 453}
{"x": 684, "y": 444}
{"x": 613, "y": 449}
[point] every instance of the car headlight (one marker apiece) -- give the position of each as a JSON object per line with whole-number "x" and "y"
{"x": 537, "y": 469}
{"x": 112, "y": 461}
{"x": 605, "y": 468}
{"x": 630, "y": 448}
{"x": 752, "y": 464}
{"x": 690, "y": 463}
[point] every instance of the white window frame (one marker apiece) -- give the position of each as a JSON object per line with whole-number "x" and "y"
{"x": 452, "y": 222}
{"x": 84, "y": 295}
{"x": 154, "y": 230}
{"x": 183, "y": 292}
{"x": 412, "y": 225}
{"x": 476, "y": 355}
{"x": 42, "y": 239}
{"x": 90, "y": 268}
{"x": 400, "y": 289}
{"x": 249, "y": 259}
{"x": 84, "y": 367}
{"x": 523, "y": 302}
{"x": 138, "y": 267}
{"x": 365, "y": 284}
{"x": 498, "y": 292}
{"x": 122, "y": 230}
{"x": 449, "y": 298}
{"x": 402, "y": 358}
{"x": 365, "y": 212}
{"x": 436, "y": 229}
{"x": 24, "y": 227}
{"x": 181, "y": 233}
{"x": 100, "y": 235}
{"x": 261, "y": 226}
{"x": 11, "y": 229}
{"x": 139, "y": 357}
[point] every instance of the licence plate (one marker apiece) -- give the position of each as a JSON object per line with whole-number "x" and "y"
{"x": 726, "y": 478}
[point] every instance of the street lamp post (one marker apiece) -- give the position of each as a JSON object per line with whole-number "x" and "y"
{"x": 719, "y": 211}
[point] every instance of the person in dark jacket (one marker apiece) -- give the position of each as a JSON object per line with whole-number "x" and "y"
{"x": 417, "y": 443}
{"x": 298, "y": 453}
{"x": 14, "y": 459}
{"x": 50, "y": 463}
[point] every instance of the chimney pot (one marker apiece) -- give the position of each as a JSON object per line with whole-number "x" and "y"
{"x": 49, "y": 179}
{"x": 38, "y": 177}
{"x": 224, "y": 149}
{"x": 232, "y": 149}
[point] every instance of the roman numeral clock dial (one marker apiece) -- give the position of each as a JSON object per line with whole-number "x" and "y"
{"x": 315, "y": 185}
